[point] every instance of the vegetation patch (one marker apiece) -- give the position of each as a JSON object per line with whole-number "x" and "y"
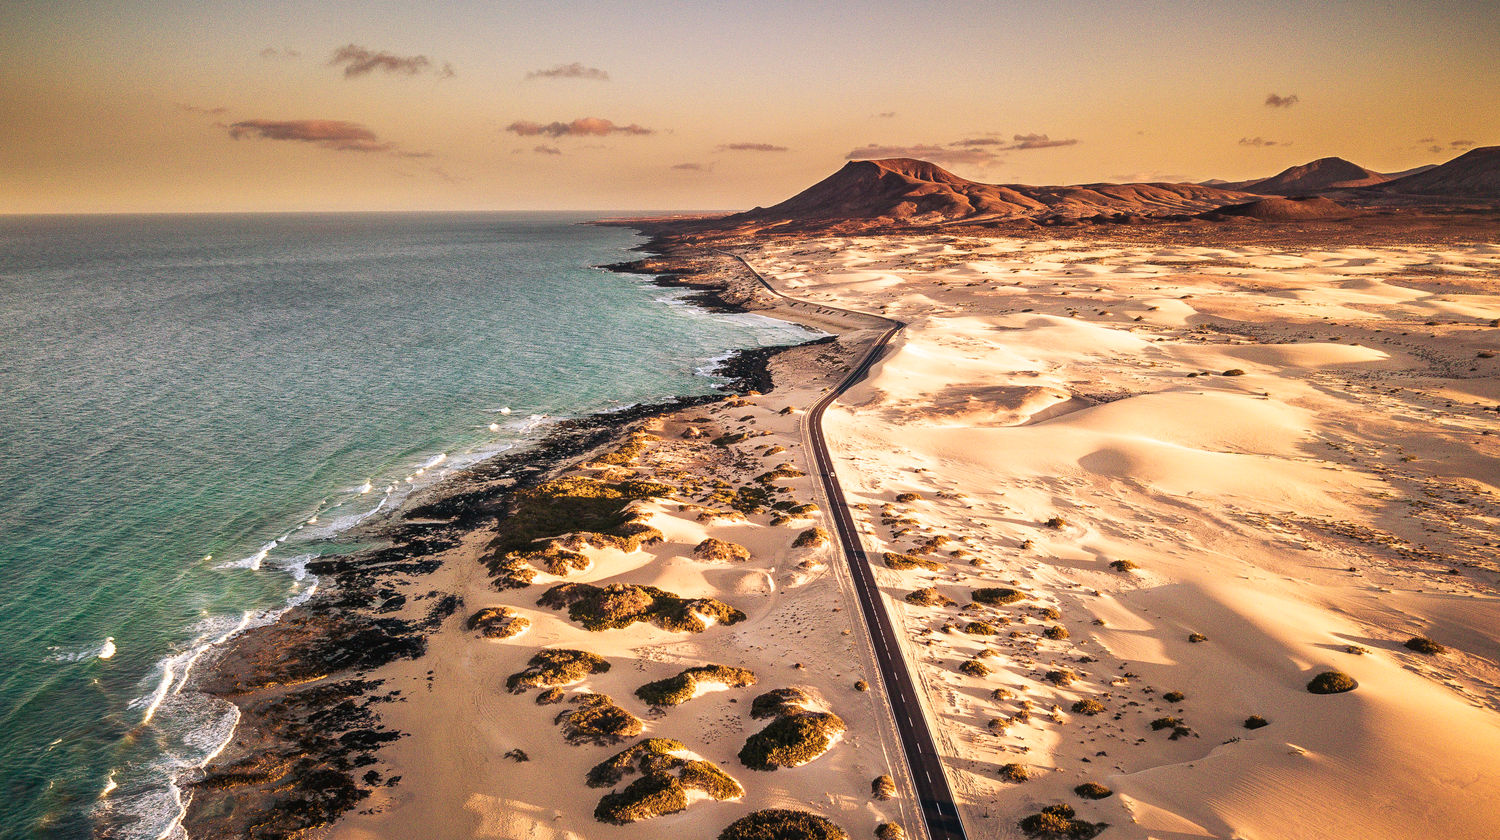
{"x": 929, "y": 597}
{"x": 1123, "y": 566}
{"x": 633, "y": 448}
{"x": 782, "y": 824}
{"x": 811, "y": 538}
{"x": 559, "y": 666}
{"x": 1179, "y": 728}
{"x": 1174, "y": 697}
{"x": 1422, "y": 644}
{"x": 781, "y": 471}
{"x": 674, "y": 691}
{"x": 720, "y": 551}
{"x": 666, "y": 777}
{"x": 909, "y": 497}
{"x": 902, "y": 562}
{"x": 796, "y": 736}
{"x": 998, "y": 596}
{"x": 890, "y": 831}
{"x": 585, "y": 511}
{"x": 981, "y": 628}
{"x": 598, "y": 720}
{"x": 618, "y": 605}
{"x": 1060, "y": 677}
{"x": 1014, "y": 773}
{"x": 883, "y": 787}
{"x": 1197, "y": 638}
{"x": 1056, "y": 632}
{"x": 1058, "y": 822}
{"x": 1093, "y": 790}
{"x": 1088, "y": 706}
{"x": 1256, "y": 722}
{"x": 498, "y": 622}
{"x": 974, "y": 668}
{"x": 1332, "y": 682}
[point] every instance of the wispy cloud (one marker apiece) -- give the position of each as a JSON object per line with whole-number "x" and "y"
{"x": 273, "y": 52}
{"x": 207, "y": 112}
{"x": 334, "y": 135}
{"x": 546, "y": 150}
{"x": 1276, "y": 101}
{"x": 883, "y": 115}
{"x": 1463, "y": 144}
{"x": 934, "y": 154}
{"x": 583, "y": 127}
{"x": 1261, "y": 141}
{"x": 576, "y": 70}
{"x": 1038, "y": 141}
{"x": 361, "y": 61}
{"x": 692, "y": 167}
{"x": 751, "y": 147}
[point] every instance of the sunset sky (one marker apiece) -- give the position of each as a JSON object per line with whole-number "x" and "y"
{"x": 205, "y": 105}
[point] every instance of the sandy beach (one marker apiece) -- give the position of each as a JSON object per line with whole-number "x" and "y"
{"x": 1198, "y": 476}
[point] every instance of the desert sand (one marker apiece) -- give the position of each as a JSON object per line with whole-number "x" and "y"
{"x": 1213, "y": 473}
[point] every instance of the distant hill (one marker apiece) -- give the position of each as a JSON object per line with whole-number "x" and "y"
{"x": 1330, "y": 173}
{"x": 1284, "y": 210}
{"x": 915, "y": 192}
{"x": 1473, "y": 174}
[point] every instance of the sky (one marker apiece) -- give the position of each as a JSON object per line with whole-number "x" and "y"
{"x": 291, "y": 105}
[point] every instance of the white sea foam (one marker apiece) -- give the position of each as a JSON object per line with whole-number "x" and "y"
{"x": 99, "y": 650}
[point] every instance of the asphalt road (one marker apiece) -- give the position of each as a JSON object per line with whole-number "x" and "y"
{"x": 933, "y": 793}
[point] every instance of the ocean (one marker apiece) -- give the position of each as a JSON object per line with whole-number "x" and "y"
{"x": 191, "y": 407}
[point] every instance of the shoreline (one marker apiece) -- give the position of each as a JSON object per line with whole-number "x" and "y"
{"x": 300, "y": 676}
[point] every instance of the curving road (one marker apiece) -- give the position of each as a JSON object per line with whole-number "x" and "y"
{"x": 933, "y": 793}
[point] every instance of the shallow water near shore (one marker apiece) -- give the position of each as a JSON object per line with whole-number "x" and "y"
{"x": 192, "y": 405}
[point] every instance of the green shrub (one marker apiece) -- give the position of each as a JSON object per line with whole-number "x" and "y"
{"x": 1057, "y": 822}
{"x": 1332, "y": 682}
{"x": 1060, "y": 677}
{"x": 1123, "y": 565}
{"x": 811, "y": 538}
{"x": 648, "y": 756}
{"x": 1197, "y": 638}
{"x": 883, "y": 787}
{"x": 1174, "y": 697}
{"x": 649, "y": 796}
{"x": 1056, "y": 632}
{"x": 890, "y": 831}
{"x": 781, "y": 471}
{"x": 974, "y": 668}
{"x": 909, "y": 497}
{"x": 861, "y": 685}
{"x": 791, "y": 740}
{"x": 674, "y": 691}
{"x": 558, "y": 666}
{"x": 902, "y": 562}
{"x": 1088, "y": 706}
{"x": 981, "y": 628}
{"x": 720, "y": 551}
{"x": 998, "y": 596}
{"x": 1014, "y": 773}
{"x": 498, "y": 622}
{"x": 633, "y": 448}
{"x": 1049, "y": 613}
{"x": 781, "y": 701}
{"x": 1057, "y": 523}
{"x": 598, "y": 720}
{"x": 551, "y": 697}
{"x": 1233, "y": 372}
{"x": 1422, "y": 644}
{"x": 782, "y": 824}
{"x": 1093, "y": 790}
{"x": 1256, "y": 722}
{"x": 1001, "y": 694}
{"x": 619, "y": 605}
{"x": 929, "y": 597}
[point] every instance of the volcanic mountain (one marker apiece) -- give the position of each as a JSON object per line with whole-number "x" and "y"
{"x": 1473, "y": 174}
{"x": 914, "y": 192}
{"x": 1323, "y": 174}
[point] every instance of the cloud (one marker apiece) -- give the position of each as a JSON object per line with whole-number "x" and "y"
{"x": 751, "y": 147}
{"x": 576, "y": 70}
{"x": 691, "y": 167}
{"x": 1428, "y": 140}
{"x": 934, "y": 154}
{"x": 1038, "y": 141}
{"x": 272, "y": 52}
{"x": 208, "y": 112}
{"x": 544, "y": 149}
{"x": 336, "y": 135}
{"x": 1463, "y": 144}
{"x": 1261, "y": 141}
{"x": 979, "y": 141}
{"x": 1152, "y": 176}
{"x": 360, "y": 61}
{"x": 1275, "y": 101}
{"x": 883, "y": 115}
{"x": 583, "y": 127}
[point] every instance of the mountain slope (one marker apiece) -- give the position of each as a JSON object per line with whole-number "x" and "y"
{"x": 915, "y": 192}
{"x": 1473, "y": 174}
{"x": 1330, "y": 173}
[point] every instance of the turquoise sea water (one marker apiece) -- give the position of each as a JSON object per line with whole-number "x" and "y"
{"x": 191, "y": 405}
